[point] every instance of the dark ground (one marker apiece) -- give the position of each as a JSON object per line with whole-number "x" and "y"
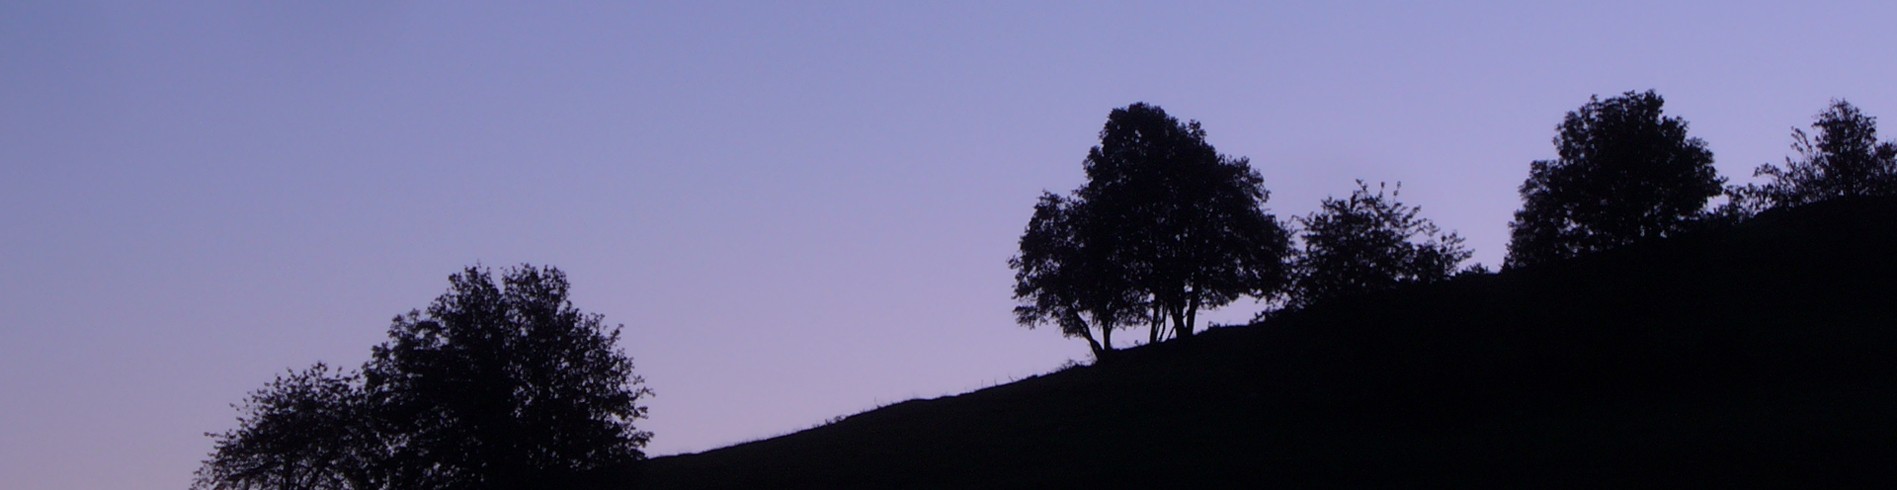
{"x": 1760, "y": 355}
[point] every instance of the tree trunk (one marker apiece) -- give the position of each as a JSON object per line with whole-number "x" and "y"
{"x": 1086, "y": 333}
{"x": 1192, "y": 315}
{"x": 1157, "y": 322}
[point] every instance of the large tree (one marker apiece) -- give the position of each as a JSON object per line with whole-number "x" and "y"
{"x": 494, "y": 386}
{"x": 1370, "y": 242}
{"x": 1170, "y": 224}
{"x": 1625, "y": 173}
{"x": 1844, "y": 159}
{"x": 504, "y": 386}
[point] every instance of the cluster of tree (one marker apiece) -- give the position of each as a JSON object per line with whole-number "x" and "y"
{"x": 1165, "y": 225}
{"x": 495, "y": 386}
{"x": 1627, "y": 173}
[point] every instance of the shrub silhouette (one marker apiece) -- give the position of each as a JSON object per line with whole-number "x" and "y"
{"x": 1843, "y": 160}
{"x": 1625, "y": 173}
{"x": 494, "y": 386}
{"x": 1370, "y": 242}
{"x": 1164, "y": 226}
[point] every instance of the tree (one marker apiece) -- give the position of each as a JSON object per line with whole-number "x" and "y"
{"x": 1625, "y": 173}
{"x": 306, "y": 430}
{"x": 504, "y": 386}
{"x": 1370, "y": 242}
{"x": 1164, "y": 226}
{"x": 494, "y": 387}
{"x": 1068, "y": 277}
{"x": 1844, "y": 160}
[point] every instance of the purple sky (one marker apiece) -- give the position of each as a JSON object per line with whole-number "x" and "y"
{"x": 798, "y": 210}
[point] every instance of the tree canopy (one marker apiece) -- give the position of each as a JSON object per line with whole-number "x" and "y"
{"x": 307, "y": 429}
{"x": 1625, "y": 172}
{"x": 1844, "y": 159}
{"x": 1164, "y": 227}
{"x": 1370, "y": 242}
{"x": 494, "y": 386}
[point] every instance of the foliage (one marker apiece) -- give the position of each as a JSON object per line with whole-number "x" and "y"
{"x": 1068, "y": 278}
{"x": 307, "y": 429}
{"x": 502, "y": 386}
{"x": 1370, "y": 242}
{"x": 493, "y": 387}
{"x": 1844, "y": 160}
{"x": 1164, "y": 226}
{"x": 1625, "y": 173}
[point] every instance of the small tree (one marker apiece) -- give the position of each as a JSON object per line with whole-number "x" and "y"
{"x": 1844, "y": 160}
{"x": 1066, "y": 275}
{"x": 308, "y": 429}
{"x": 504, "y": 386}
{"x": 1370, "y": 242}
{"x": 1625, "y": 173}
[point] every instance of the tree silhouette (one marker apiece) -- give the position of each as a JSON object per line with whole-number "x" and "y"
{"x": 1625, "y": 173}
{"x": 308, "y": 429}
{"x": 504, "y": 386}
{"x": 1068, "y": 278}
{"x": 1370, "y": 242}
{"x": 1844, "y": 160}
{"x": 493, "y": 387}
{"x": 1164, "y": 227}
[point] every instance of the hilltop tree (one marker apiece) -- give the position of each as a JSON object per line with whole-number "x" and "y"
{"x": 1370, "y": 242}
{"x": 504, "y": 386}
{"x": 493, "y": 387}
{"x": 1165, "y": 226}
{"x": 1068, "y": 278}
{"x": 1844, "y": 160}
{"x": 308, "y": 429}
{"x": 1625, "y": 173}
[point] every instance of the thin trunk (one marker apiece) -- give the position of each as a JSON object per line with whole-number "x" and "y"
{"x": 1192, "y": 315}
{"x": 1157, "y": 321}
{"x": 1087, "y": 333}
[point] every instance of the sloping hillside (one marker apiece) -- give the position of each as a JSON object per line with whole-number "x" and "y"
{"x": 1761, "y": 354}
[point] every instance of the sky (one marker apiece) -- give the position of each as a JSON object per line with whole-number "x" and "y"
{"x": 797, "y": 210}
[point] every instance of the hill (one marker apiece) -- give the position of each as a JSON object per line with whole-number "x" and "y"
{"x": 1765, "y": 353}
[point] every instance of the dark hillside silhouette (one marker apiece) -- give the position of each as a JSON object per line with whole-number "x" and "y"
{"x": 1764, "y": 354}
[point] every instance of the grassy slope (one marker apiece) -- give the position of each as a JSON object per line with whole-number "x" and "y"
{"x": 1759, "y": 354}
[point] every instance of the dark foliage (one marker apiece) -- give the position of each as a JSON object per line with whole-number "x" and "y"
{"x": 1370, "y": 242}
{"x": 1625, "y": 173}
{"x": 307, "y": 429}
{"x": 1069, "y": 278}
{"x": 1844, "y": 160}
{"x": 1166, "y": 222}
{"x": 504, "y": 385}
{"x": 495, "y": 386}
{"x": 1754, "y": 356}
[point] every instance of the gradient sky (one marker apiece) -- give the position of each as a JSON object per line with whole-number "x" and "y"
{"x": 799, "y": 210}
